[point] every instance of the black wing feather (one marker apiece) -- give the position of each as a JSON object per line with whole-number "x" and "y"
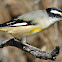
{"x": 15, "y": 21}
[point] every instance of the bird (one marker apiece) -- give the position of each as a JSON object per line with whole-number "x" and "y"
{"x": 31, "y": 23}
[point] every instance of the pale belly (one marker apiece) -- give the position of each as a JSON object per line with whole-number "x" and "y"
{"x": 22, "y": 31}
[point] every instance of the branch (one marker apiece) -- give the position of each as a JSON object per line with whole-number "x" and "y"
{"x": 33, "y": 50}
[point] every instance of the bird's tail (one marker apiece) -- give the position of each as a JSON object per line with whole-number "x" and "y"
{"x": 3, "y": 29}
{"x": 5, "y": 26}
{"x": 6, "y": 29}
{"x": 9, "y": 23}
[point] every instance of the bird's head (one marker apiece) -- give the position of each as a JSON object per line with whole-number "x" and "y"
{"x": 54, "y": 12}
{"x": 54, "y": 15}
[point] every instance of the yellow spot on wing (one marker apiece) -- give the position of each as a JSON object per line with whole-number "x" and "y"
{"x": 38, "y": 29}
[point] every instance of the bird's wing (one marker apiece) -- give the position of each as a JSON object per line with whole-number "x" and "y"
{"x": 31, "y": 18}
{"x": 16, "y": 22}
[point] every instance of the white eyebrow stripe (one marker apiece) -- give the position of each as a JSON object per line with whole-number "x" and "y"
{"x": 55, "y": 12}
{"x": 19, "y": 24}
{"x": 10, "y": 22}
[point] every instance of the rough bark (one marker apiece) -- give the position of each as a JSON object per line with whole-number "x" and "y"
{"x": 33, "y": 50}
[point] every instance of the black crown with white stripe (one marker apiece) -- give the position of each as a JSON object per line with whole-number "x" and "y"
{"x": 54, "y": 12}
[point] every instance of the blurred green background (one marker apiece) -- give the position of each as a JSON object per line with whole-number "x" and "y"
{"x": 45, "y": 40}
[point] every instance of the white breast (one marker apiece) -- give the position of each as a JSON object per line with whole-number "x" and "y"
{"x": 47, "y": 22}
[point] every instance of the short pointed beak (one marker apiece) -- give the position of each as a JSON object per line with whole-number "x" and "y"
{"x": 61, "y": 13}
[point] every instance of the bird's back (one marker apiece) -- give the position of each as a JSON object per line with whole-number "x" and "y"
{"x": 34, "y": 17}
